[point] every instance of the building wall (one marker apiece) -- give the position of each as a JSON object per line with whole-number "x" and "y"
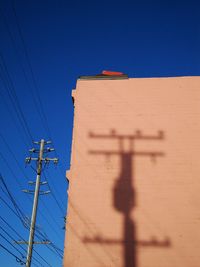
{"x": 134, "y": 196}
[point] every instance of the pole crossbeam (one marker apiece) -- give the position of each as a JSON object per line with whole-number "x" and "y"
{"x": 47, "y": 242}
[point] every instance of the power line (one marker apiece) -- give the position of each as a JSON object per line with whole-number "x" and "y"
{"x": 40, "y": 105}
{"x": 38, "y": 102}
{"x": 18, "y": 210}
{"x": 12, "y": 172}
{"x": 54, "y": 187}
{"x": 10, "y": 112}
{"x": 42, "y": 237}
{"x": 25, "y": 224}
{"x": 21, "y": 215}
{"x": 54, "y": 197}
{"x": 23, "y": 219}
{"x": 42, "y": 113}
{"x": 9, "y": 85}
{"x": 13, "y": 155}
{"x": 23, "y": 240}
{"x": 35, "y": 96}
{"x": 44, "y": 217}
{"x": 10, "y": 208}
{"x": 51, "y": 216}
{"x": 12, "y": 245}
{"x": 12, "y": 254}
{"x": 11, "y": 238}
{"x": 21, "y": 65}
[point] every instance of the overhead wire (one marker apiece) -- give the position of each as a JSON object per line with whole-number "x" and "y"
{"x": 19, "y": 245}
{"x": 52, "y": 217}
{"x": 23, "y": 257}
{"x": 23, "y": 220}
{"x": 10, "y": 150}
{"x": 25, "y": 224}
{"x": 36, "y": 98}
{"x": 20, "y": 61}
{"x": 54, "y": 197}
{"x": 22, "y": 239}
{"x": 41, "y": 112}
{"x": 11, "y": 171}
{"x": 13, "y": 155}
{"x": 57, "y": 202}
{"x": 12, "y": 254}
{"x": 50, "y": 180}
{"x": 9, "y": 85}
{"x": 52, "y": 247}
{"x": 10, "y": 112}
{"x": 40, "y": 106}
{"x": 17, "y": 209}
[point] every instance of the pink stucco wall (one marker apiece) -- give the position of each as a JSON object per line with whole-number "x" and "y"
{"x": 134, "y": 195}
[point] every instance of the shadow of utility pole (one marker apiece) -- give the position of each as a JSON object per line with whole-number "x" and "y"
{"x": 124, "y": 194}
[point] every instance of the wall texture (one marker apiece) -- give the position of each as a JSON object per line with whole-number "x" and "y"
{"x": 134, "y": 196}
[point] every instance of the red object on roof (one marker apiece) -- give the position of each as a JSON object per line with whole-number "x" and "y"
{"x": 112, "y": 73}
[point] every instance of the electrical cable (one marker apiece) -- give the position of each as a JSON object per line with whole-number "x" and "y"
{"x": 54, "y": 197}
{"x": 52, "y": 217}
{"x": 22, "y": 217}
{"x": 7, "y": 224}
{"x": 44, "y": 217}
{"x": 23, "y": 257}
{"x": 10, "y": 112}
{"x": 12, "y": 254}
{"x": 11, "y": 239}
{"x": 9, "y": 85}
{"x": 43, "y": 236}
{"x": 19, "y": 212}
{"x": 11, "y": 171}
{"x": 18, "y": 217}
{"x": 63, "y": 208}
{"x": 43, "y": 115}
{"x": 13, "y": 155}
{"x": 21, "y": 65}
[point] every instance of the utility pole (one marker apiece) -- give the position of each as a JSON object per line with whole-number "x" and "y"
{"x": 40, "y": 159}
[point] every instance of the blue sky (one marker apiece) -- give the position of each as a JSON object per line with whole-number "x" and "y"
{"x": 44, "y": 47}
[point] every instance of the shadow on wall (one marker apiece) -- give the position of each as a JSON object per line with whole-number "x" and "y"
{"x": 124, "y": 193}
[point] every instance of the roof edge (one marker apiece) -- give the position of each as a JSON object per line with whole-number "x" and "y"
{"x": 104, "y": 77}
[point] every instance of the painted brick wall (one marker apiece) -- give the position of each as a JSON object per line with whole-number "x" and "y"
{"x": 134, "y": 195}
